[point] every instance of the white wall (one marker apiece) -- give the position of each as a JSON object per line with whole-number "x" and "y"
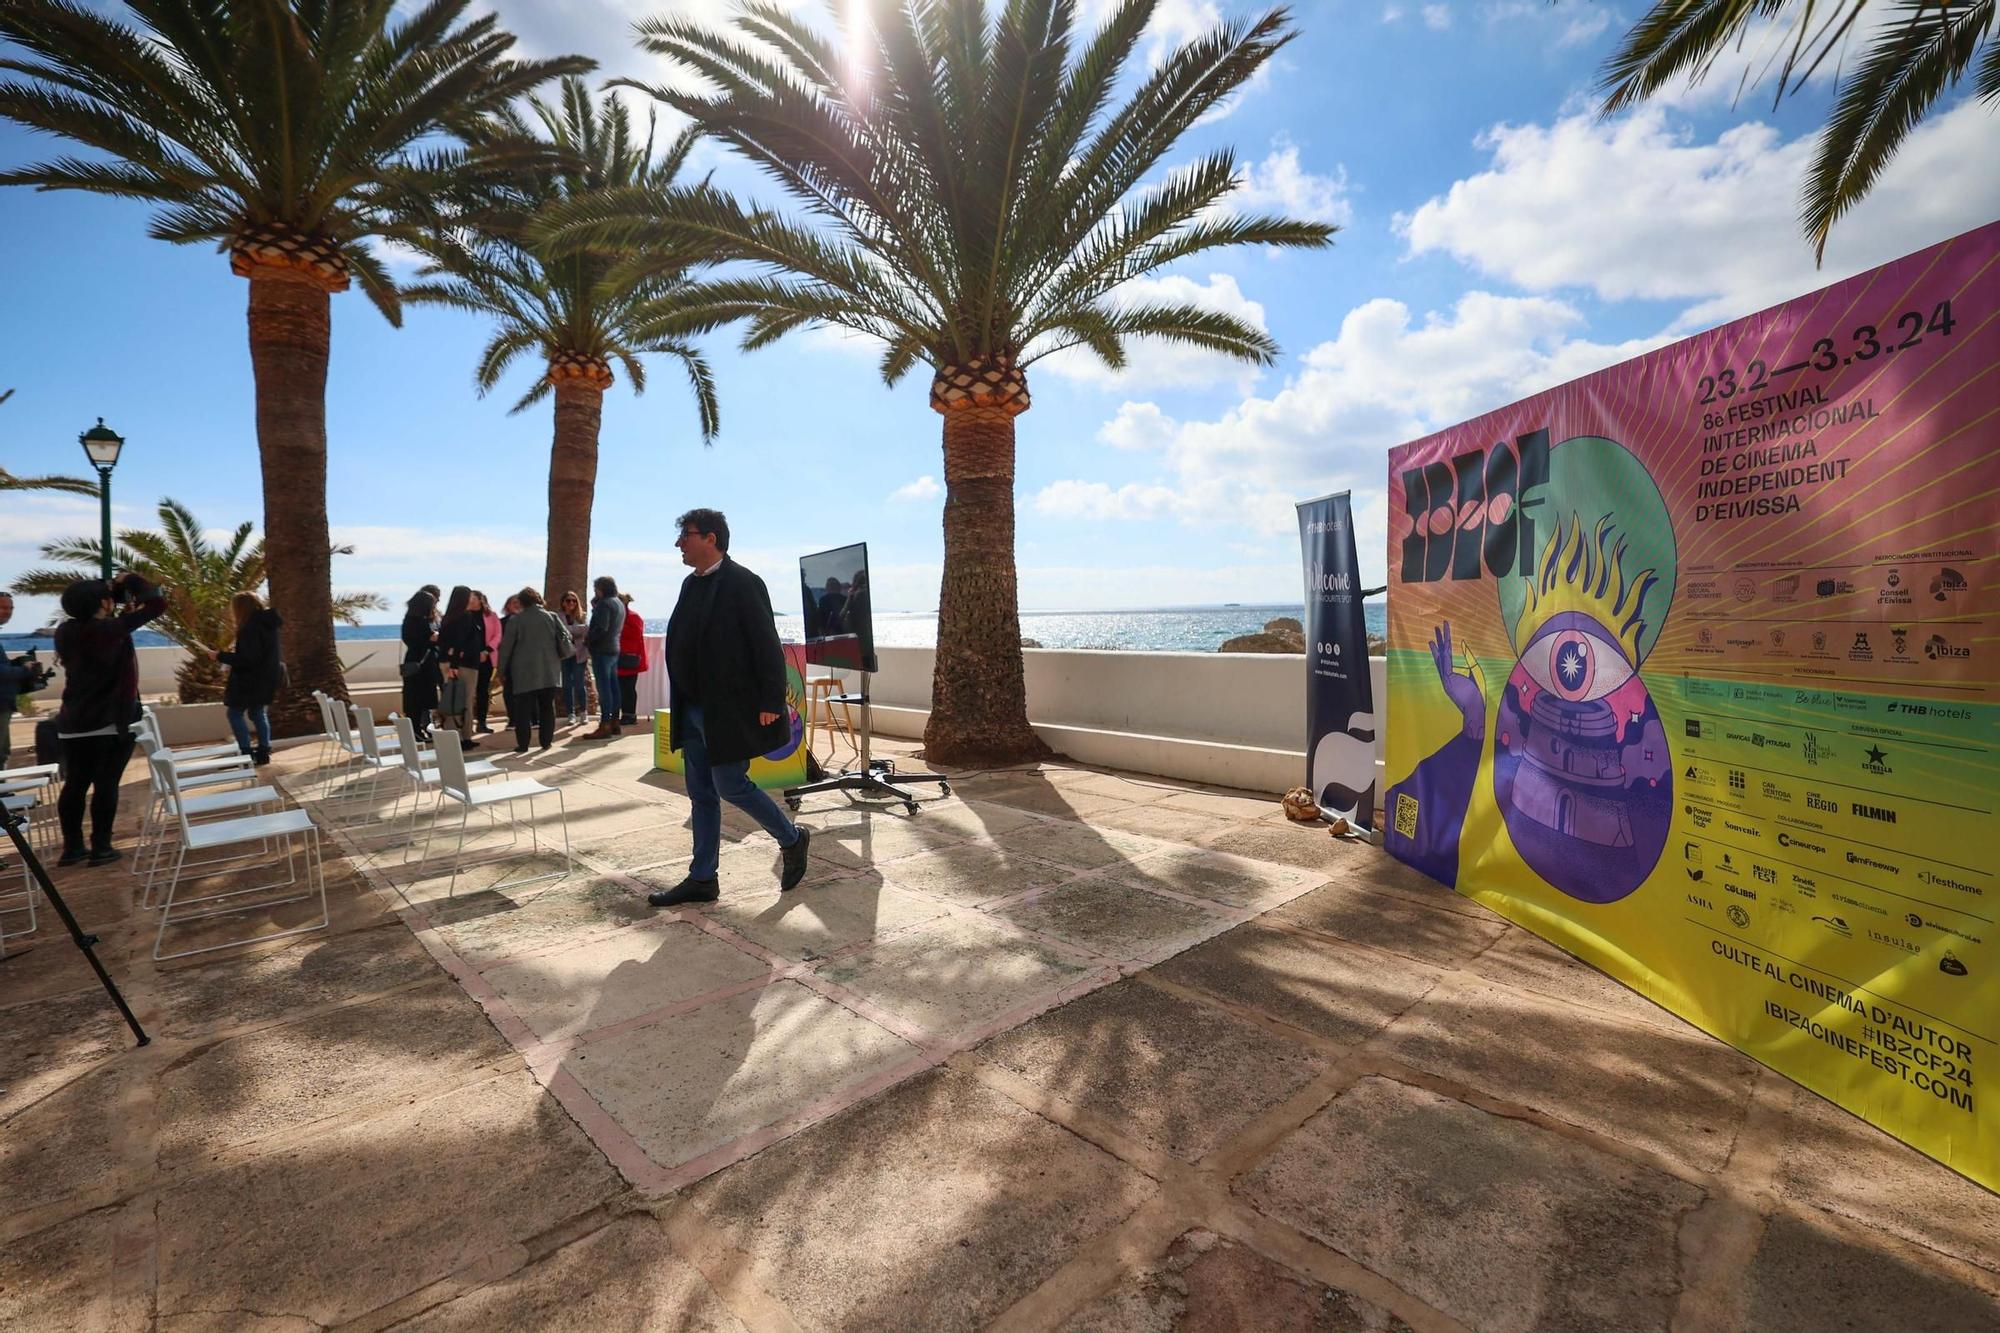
{"x": 1232, "y": 719}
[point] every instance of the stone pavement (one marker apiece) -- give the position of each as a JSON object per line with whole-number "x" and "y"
{"x": 1070, "y": 1049}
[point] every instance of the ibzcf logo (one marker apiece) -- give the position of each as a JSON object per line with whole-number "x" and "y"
{"x": 1470, "y": 517}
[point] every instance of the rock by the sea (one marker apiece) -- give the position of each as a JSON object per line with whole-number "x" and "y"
{"x": 1283, "y": 635}
{"x": 1030, "y": 643}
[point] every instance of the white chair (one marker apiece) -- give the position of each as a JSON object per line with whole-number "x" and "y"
{"x": 337, "y": 741}
{"x": 283, "y": 825}
{"x": 150, "y": 722}
{"x": 454, "y": 784}
{"x": 202, "y": 806}
{"x": 422, "y": 779}
{"x": 21, "y": 901}
{"x": 39, "y": 784}
{"x": 194, "y": 775}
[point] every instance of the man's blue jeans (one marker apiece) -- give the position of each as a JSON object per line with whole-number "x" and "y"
{"x": 710, "y": 784}
{"x": 240, "y": 720}
{"x": 605, "y": 667}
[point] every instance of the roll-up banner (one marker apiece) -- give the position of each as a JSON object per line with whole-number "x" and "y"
{"x": 1340, "y": 707}
{"x": 1692, "y": 668}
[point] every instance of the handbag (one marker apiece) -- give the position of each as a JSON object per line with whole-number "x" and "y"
{"x": 628, "y": 663}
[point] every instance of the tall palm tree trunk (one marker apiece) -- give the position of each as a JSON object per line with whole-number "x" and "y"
{"x": 573, "y": 483}
{"x": 979, "y": 697}
{"x": 290, "y": 330}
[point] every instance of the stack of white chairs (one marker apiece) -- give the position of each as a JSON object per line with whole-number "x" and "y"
{"x": 31, "y": 793}
{"x": 338, "y": 741}
{"x": 197, "y": 806}
{"x": 293, "y": 829}
{"x": 454, "y": 785}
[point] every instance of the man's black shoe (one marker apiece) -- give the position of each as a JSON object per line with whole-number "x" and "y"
{"x": 689, "y": 890}
{"x": 72, "y": 858}
{"x": 104, "y": 856}
{"x": 795, "y": 861}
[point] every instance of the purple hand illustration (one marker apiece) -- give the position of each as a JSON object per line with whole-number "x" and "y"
{"x": 1463, "y": 690}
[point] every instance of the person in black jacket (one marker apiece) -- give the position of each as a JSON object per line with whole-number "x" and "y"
{"x": 420, "y": 664}
{"x": 726, "y": 690}
{"x": 605, "y": 634}
{"x": 461, "y": 642}
{"x": 255, "y": 666}
{"x": 99, "y": 705}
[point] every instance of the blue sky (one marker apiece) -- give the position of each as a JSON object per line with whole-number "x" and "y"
{"x": 1496, "y": 239}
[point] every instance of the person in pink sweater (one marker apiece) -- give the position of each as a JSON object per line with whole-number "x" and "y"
{"x": 482, "y": 695}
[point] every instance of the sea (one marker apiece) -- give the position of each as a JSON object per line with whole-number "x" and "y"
{"x": 1169, "y": 629}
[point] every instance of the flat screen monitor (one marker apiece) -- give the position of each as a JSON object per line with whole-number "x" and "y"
{"x": 840, "y": 625}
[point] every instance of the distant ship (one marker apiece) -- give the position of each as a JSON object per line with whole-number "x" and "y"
{"x": 1227, "y": 605}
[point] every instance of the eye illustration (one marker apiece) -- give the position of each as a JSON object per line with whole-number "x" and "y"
{"x": 1575, "y": 665}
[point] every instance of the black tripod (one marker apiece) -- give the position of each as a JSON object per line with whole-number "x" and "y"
{"x": 874, "y": 777}
{"x": 14, "y": 824}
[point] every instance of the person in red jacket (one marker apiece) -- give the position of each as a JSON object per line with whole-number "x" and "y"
{"x": 631, "y": 661}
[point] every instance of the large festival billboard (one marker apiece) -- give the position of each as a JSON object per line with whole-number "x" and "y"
{"x": 1692, "y": 669}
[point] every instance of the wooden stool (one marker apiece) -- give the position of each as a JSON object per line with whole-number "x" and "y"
{"x": 820, "y": 690}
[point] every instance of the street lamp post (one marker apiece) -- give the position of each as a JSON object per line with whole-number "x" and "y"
{"x": 101, "y": 445}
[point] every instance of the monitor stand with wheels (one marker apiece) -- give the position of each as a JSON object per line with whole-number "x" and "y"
{"x": 873, "y": 777}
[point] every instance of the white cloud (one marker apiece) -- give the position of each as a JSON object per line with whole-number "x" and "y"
{"x": 1392, "y": 14}
{"x": 1584, "y": 28}
{"x": 1639, "y": 208}
{"x": 1279, "y": 184}
{"x": 923, "y": 488}
{"x": 1437, "y": 17}
{"x": 1387, "y": 378}
{"x": 1154, "y": 363}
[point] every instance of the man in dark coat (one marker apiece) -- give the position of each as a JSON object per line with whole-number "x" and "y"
{"x": 726, "y": 690}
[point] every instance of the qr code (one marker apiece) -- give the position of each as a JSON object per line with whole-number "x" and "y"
{"x": 1406, "y": 815}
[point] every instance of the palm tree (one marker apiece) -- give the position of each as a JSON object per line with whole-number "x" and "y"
{"x": 287, "y": 133}
{"x": 200, "y": 577}
{"x": 68, "y": 485}
{"x": 1910, "y": 63}
{"x": 975, "y": 203}
{"x": 575, "y": 311}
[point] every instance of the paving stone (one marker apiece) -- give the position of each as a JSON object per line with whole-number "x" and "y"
{"x": 53, "y": 1040}
{"x": 1217, "y": 877}
{"x": 234, "y": 1092}
{"x": 623, "y": 1277}
{"x": 1832, "y": 1159}
{"x": 618, "y": 976}
{"x": 1308, "y": 846}
{"x": 693, "y": 1083}
{"x": 1184, "y": 1077}
{"x": 1108, "y": 918}
{"x": 635, "y": 849}
{"x": 408, "y": 1197}
{"x": 1343, "y": 994}
{"x": 1379, "y": 872}
{"x": 488, "y": 927}
{"x": 1204, "y": 1284}
{"x": 973, "y": 872}
{"x": 1526, "y": 962}
{"x": 938, "y": 1204}
{"x": 1681, "y": 1094}
{"x": 431, "y": 888}
{"x": 1078, "y": 845}
{"x": 1058, "y": 801}
{"x": 815, "y": 919}
{"x": 67, "y": 1277}
{"x": 1807, "y": 1275}
{"x": 1500, "y": 1224}
{"x": 70, "y": 1141}
{"x": 954, "y": 973}
{"x": 862, "y": 839}
{"x": 1170, "y": 823}
{"x": 1235, "y": 805}
{"x": 1130, "y": 789}
{"x": 970, "y": 819}
{"x": 1446, "y": 939}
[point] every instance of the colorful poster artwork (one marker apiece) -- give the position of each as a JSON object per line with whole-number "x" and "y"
{"x": 783, "y": 767}
{"x": 1692, "y": 670}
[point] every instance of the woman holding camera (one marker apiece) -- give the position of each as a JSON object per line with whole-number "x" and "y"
{"x": 255, "y": 666}
{"x": 100, "y": 703}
